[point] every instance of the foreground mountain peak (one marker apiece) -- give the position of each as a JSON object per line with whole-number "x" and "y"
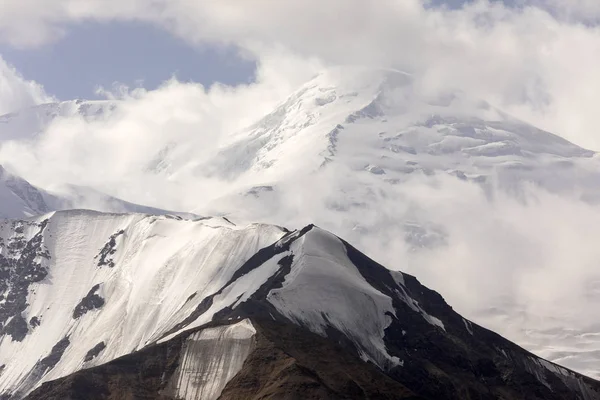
{"x": 81, "y": 289}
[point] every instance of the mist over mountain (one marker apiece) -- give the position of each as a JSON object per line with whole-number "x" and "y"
{"x": 495, "y": 214}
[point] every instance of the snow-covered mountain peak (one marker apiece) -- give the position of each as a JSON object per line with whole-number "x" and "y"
{"x": 81, "y": 289}
{"x": 357, "y": 81}
{"x": 302, "y": 128}
{"x": 378, "y": 127}
{"x": 379, "y": 121}
{"x": 84, "y": 277}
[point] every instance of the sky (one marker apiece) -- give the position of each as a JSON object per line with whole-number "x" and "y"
{"x": 131, "y": 53}
{"x": 100, "y": 54}
{"x": 94, "y": 54}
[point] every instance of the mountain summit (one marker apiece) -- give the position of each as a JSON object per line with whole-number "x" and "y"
{"x": 360, "y": 116}
{"x": 103, "y": 305}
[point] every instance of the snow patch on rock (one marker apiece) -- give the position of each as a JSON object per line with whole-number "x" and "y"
{"x": 210, "y": 358}
{"x": 325, "y": 290}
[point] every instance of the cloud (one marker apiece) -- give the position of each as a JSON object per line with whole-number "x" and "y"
{"x": 536, "y": 61}
{"x": 16, "y": 92}
{"x": 573, "y": 10}
{"x": 114, "y": 152}
{"x": 522, "y": 265}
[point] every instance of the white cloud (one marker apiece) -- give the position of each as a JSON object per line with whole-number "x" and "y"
{"x": 531, "y": 61}
{"x": 573, "y": 10}
{"x": 16, "y": 92}
{"x": 113, "y": 153}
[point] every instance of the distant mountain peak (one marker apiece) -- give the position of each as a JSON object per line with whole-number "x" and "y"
{"x": 21, "y": 199}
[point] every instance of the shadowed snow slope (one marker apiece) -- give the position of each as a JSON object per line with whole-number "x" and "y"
{"x": 81, "y": 289}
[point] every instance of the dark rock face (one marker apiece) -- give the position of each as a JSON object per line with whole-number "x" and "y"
{"x": 293, "y": 363}
{"x": 34, "y": 322}
{"x": 442, "y": 355}
{"x": 94, "y": 352}
{"x": 55, "y": 355}
{"x": 41, "y": 367}
{"x": 109, "y": 249}
{"x": 90, "y": 302}
{"x": 287, "y": 363}
{"x": 141, "y": 375}
{"x": 257, "y": 190}
{"x": 21, "y": 265}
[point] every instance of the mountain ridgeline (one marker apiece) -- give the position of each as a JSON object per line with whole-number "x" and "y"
{"x": 112, "y": 306}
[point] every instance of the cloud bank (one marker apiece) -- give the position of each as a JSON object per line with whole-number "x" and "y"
{"x": 16, "y": 92}
{"x": 537, "y": 60}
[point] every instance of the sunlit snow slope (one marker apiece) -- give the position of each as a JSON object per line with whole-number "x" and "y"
{"x": 80, "y": 279}
{"x": 376, "y": 124}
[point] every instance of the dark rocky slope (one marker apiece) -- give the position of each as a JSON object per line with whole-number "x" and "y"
{"x": 441, "y": 355}
{"x": 287, "y": 363}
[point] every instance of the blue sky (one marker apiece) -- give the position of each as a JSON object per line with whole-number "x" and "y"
{"x": 103, "y": 53}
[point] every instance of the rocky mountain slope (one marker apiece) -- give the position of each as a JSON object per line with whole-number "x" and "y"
{"x": 135, "y": 306}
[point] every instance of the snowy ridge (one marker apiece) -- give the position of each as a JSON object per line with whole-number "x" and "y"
{"x": 84, "y": 288}
{"x": 315, "y": 294}
{"x": 163, "y": 267}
